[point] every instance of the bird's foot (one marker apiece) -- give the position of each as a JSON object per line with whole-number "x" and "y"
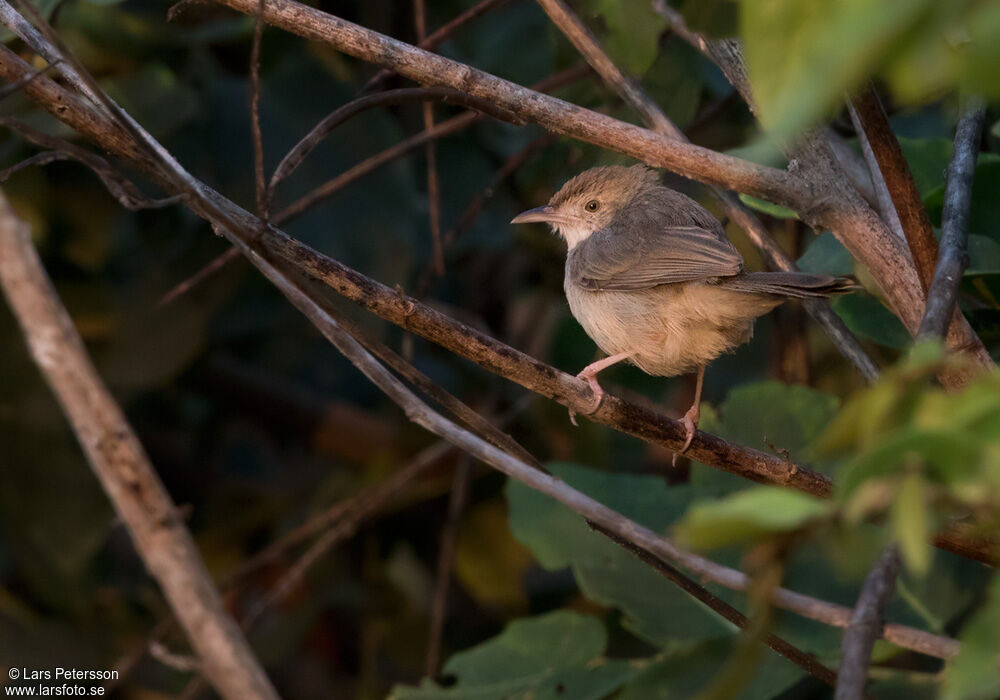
{"x": 690, "y": 421}
{"x": 596, "y": 391}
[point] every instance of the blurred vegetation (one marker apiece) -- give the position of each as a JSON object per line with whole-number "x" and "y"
{"x": 255, "y": 423}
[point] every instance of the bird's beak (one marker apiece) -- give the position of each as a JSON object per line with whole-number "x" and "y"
{"x": 546, "y": 214}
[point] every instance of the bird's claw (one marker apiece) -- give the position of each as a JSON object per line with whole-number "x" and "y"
{"x": 690, "y": 421}
{"x": 595, "y": 402}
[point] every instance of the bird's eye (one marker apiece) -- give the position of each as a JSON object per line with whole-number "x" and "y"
{"x": 593, "y": 205}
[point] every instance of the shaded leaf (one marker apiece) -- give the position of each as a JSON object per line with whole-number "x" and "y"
{"x": 552, "y": 656}
{"x": 910, "y": 523}
{"x": 867, "y": 317}
{"x": 747, "y": 515}
{"x": 975, "y": 672}
{"x": 826, "y": 256}
{"x": 775, "y": 210}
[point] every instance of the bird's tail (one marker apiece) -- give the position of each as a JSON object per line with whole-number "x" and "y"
{"x": 796, "y": 285}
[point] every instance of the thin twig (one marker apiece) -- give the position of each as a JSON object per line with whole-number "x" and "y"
{"x": 446, "y": 559}
{"x": 409, "y": 313}
{"x": 630, "y": 91}
{"x": 123, "y": 190}
{"x": 954, "y": 256}
{"x": 9, "y": 90}
{"x": 866, "y": 626}
{"x": 124, "y": 470}
{"x": 263, "y": 203}
{"x": 433, "y": 178}
{"x": 883, "y": 200}
{"x": 437, "y": 37}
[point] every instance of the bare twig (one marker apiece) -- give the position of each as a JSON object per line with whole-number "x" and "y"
{"x": 653, "y": 116}
{"x": 954, "y": 256}
{"x": 866, "y": 626}
{"x": 179, "y": 662}
{"x": 263, "y": 203}
{"x": 437, "y": 37}
{"x": 433, "y": 179}
{"x": 126, "y": 192}
{"x": 446, "y": 559}
{"x": 122, "y": 467}
{"x": 9, "y": 90}
{"x": 197, "y": 278}
{"x": 899, "y": 182}
{"x": 340, "y": 115}
{"x": 553, "y": 114}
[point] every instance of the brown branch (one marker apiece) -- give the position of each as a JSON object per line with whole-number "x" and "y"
{"x": 260, "y": 180}
{"x": 439, "y": 328}
{"x": 555, "y": 115}
{"x": 954, "y": 255}
{"x": 228, "y": 220}
{"x": 124, "y": 470}
{"x": 630, "y": 91}
{"x": 433, "y": 181}
{"x": 437, "y": 37}
{"x": 866, "y": 626}
{"x": 899, "y": 181}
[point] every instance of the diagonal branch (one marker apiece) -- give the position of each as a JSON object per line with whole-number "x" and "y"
{"x": 954, "y": 256}
{"x": 866, "y": 626}
{"x": 553, "y": 114}
{"x": 124, "y": 470}
{"x": 393, "y": 306}
{"x": 630, "y": 91}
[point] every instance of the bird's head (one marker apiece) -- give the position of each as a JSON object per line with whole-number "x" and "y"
{"x": 589, "y": 201}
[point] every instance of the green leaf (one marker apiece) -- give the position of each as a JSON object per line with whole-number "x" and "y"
{"x": 654, "y": 609}
{"x": 984, "y": 213}
{"x": 928, "y": 159}
{"x": 747, "y": 515}
{"x": 910, "y": 523}
{"x": 775, "y": 210}
{"x": 803, "y": 55}
{"x": 559, "y": 655}
{"x": 681, "y": 674}
{"x": 984, "y": 256}
{"x": 674, "y": 81}
{"x": 633, "y": 32}
{"x": 826, "y": 256}
{"x": 974, "y": 674}
{"x": 866, "y": 316}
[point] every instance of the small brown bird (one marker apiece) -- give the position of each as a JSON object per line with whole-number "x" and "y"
{"x": 652, "y": 278}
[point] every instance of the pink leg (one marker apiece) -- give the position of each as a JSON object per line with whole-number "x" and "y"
{"x": 693, "y": 415}
{"x": 589, "y": 373}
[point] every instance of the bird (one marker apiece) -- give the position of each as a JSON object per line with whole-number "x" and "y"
{"x": 655, "y": 282}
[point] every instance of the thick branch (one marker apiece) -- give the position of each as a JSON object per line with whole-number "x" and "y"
{"x": 124, "y": 470}
{"x": 866, "y": 626}
{"x": 552, "y": 113}
{"x": 630, "y": 91}
{"x": 954, "y": 256}
{"x": 436, "y": 327}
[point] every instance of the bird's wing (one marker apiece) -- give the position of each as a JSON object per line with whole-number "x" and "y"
{"x": 628, "y": 258}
